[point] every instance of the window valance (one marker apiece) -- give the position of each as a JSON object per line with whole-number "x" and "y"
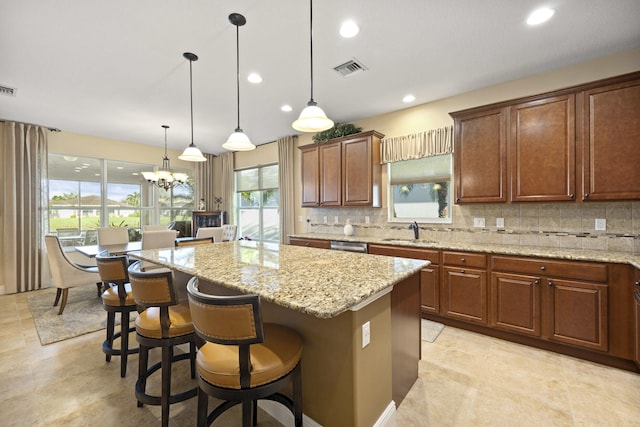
{"x": 433, "y": 142}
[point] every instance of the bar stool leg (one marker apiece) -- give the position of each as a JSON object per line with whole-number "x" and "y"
{"x": 143, "y": 360}
{"x": 124, "y": 342}
{"x": 111, "y": 320}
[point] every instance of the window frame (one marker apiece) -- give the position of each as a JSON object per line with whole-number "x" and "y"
{"x": 261, "y": 208}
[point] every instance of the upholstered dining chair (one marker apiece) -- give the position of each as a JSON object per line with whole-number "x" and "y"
{"x": 229, "y": 232}
{"x": 67, "y": 274}
{"x": 113, "y": 236}
{"x": 215, "y": 232}
{"x": 154, "y": 227}
{"x": 157, "y": 240}
{"x": 164, "y": 323}
{"x": 116, "y": 298}
{"x": 243, "y": 359}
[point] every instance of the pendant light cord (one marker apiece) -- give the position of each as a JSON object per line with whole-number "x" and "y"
{"x": 191, "y": 94}
{"x": 238, "y": 74}
{"x": 311, "y": 101}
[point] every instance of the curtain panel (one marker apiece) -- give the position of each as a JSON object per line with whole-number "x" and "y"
{"x": 23, "y": 214}
{"x": 228, "y": 185}
{"x": 433, "y": 142}
{"x": 205, "y": 173}
{"x": 286, "y": 184}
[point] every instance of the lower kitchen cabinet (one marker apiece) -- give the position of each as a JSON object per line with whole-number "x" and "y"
{"x": 464, "y": 289}
{"x": 636, "y": 312}
{"x": 310, "y": 243}
{"x": 516, "y": 303}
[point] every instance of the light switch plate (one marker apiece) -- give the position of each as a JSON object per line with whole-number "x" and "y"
{"x": 500, "y": 222}
{"x": 336, "y": 219}
{"x": 367, "y": 220}
{"x": 366, "y": 334}
{"x": 601, "y": 224}
{"x": 478, "y": 222}
{"x": 325, "y": 219}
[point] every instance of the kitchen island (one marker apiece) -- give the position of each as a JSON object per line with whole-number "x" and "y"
{"x": 327, "y": 296}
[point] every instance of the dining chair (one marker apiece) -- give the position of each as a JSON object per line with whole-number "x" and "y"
{"x": 154, "y": 227}
{"x": 243, "y": 359}
{"x": 194, "y": 242}
{"x": 157, "y": 240}
{"x": 113, "y": 236}
{"x": 67, "y": 274}
{"x": 229, "y": 232}
{"x": 215, "y": 232}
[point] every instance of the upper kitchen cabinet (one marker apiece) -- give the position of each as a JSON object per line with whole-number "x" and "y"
{"x": 542, "y": 149}
{"x": 343, "y": 171}
{"x": 611, "y": 144}
{"x": 480, "y": 150}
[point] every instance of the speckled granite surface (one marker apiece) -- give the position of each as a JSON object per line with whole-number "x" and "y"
{"x": 535, "y": 251}
{"x": 317, "y": 282}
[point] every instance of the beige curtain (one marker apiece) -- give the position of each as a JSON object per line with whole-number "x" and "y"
{"x": 205, "y": 179}
{"x": 433, "y": 142}
{"x": 23, "y": 211}
{"x": 228, "y": 185}
{"x": 286, "y": 183}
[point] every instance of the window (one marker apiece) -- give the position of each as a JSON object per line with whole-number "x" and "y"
{"x": 257, "y": 205}
{"x": 85, "y": 193}
{"x": 420, "y": 190}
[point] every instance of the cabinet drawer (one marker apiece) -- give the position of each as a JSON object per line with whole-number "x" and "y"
{"x": 545, "y": 267}
{"x": 464, "y": 259}
{"x": 310, "y": 243}
{"x": 426, "y": 254}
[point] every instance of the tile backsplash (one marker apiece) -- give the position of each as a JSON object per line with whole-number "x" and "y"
{"x": 568, "y": 225}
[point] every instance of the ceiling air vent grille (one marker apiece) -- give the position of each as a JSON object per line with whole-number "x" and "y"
{"x": 350, "y": 67}
{"x": 8, "y": 91}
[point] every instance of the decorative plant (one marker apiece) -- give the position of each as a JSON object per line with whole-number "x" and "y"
{"x": 338, "y": 130}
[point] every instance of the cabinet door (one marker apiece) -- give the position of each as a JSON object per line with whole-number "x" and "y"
{"x": 361, "y": 183}
{"x": 578, "y": 313}
{"x": 611, "y": 147}
{"x": 465, "y": 294}
{"x": 430, "y": 289}
{"x": 515, "y": 303}
{"x": 542, "y": 149}
{"x": 310, "y": 243}
{"x": 330, "y": 174}
{"x": 636, "y": 313}
{"x": 309, "y": 173}
{"x": 480, "y": 157}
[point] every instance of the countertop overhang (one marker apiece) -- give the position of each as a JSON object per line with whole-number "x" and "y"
{"x": 313, "y": 281}
{"x": 533, "y": 251}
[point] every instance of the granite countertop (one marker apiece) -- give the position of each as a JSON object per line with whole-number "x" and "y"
{"x": 312, "y": 281}
{"x": 535, "y": 251}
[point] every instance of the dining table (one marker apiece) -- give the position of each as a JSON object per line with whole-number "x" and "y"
{"x": 122, "y": 248}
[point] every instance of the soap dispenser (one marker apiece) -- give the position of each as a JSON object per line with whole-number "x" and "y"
{"x": 348, "y": 228}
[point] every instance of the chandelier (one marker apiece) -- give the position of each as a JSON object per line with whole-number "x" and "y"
{"x": 163, "y": 177}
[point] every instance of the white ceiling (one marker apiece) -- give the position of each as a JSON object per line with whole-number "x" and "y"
{"x": 115, "y": 68}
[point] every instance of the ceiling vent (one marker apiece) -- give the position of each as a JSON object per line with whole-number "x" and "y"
{"x": 350, "y": 67}
{"x": 8, "y": 91}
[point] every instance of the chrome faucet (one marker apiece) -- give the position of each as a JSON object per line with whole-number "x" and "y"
{"x": 416, "y": 229}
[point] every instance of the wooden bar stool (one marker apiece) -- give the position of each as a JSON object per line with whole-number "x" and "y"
{"x": 242, "y": 359}
{"x": 164, "y": 323}
{"x": 116, "y": 298}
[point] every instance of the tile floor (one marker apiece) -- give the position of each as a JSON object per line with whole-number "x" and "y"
{"x": 466, "y": 379}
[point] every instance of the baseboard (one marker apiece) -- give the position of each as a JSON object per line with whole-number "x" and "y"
{"x": 284, "y": 416}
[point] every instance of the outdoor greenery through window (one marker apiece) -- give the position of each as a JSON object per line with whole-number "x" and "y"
{"x": 257, "y": 203}
{"x": 420, "y": 190}
{"x": 87, "y": 193}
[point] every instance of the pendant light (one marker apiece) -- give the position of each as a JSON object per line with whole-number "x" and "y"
{"x": 312, "y": 118}
{"x": 164, "y": 178}
{"x": 191, "y": 153}
{"x": 238, "y": 141}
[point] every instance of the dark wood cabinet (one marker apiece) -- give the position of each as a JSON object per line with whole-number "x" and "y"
{"x": 543, "y": 149}
{"x": 330, "y": 175}
{"x": 559, "y": 301}
{"x": 480, "y": 171}
{"x": 464, "y": 287}
{"x": 611, "y": 144}
{"x": 636, "y": 315}
{"x": 343, "y": 171}
{"x": 207, "y": 219}
{"x": 310, "y": 243}
{"x": 309, "y": 164}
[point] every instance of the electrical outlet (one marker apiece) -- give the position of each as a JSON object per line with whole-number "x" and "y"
{"x": 478, "y": 222}
{"x": 300, "y": 218}
{"x": 324, "y": 219}
{"x": 500, "y": 222}
{"x": 366, "y": 334}
{"x": 336, "y": 219}
{"x": 601, "y": 224}
{"x": 367, "y": 220}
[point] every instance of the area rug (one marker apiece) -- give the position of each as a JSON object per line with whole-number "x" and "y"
{"x": 431, "y": 330}
{"x": 83, "y": 314}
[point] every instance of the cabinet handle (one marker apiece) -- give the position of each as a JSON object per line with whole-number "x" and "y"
{"x": 637, "y": 282}
{"x": 586, "y": 196}
{"x": 457, "y": 199}
{"x": 572, "y": 196}
{"x": 550, "y": 282}
{"x": 536, "y": 282}
{"x": 543, "y": 268}
{"x": 461, "y": 271}
{"x": 463, "y": 260}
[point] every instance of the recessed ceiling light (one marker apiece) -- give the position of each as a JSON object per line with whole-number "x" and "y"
{"x": 408, "y": 98}
{"x": 254, "y": 78}
{"x": 70, "y": 158}
{"x": 539, "y": 16}
{"x": 349, "y": 29}
{"x": 286, "y": 108}
{"x": 119, "y": 167}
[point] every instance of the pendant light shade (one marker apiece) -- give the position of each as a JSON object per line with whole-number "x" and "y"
{"x": 238, "y": 141}
{"x": 312, "y": 118}
{"x": 191, "y": 153}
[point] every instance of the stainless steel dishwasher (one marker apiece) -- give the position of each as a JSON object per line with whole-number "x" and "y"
{"x": 341, "y": 245}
